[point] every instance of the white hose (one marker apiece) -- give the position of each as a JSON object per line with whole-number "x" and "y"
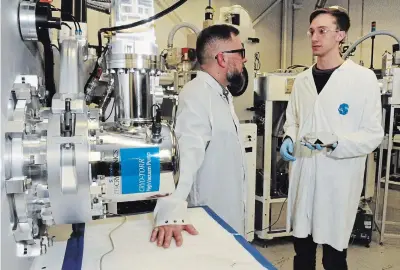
{"x": 376, "y": 33}
{"x": 179, "y": 26}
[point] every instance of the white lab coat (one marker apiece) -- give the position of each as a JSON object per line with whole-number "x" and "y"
{"x": 325, "y": 186}
{"x": 212, "y": 164}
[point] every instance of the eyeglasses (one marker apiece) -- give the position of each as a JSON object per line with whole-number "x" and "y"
{"x": 242, "y": 52}
{"x": 320, "y": 32}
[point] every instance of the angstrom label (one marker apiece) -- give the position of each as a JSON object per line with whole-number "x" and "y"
{"x": 140, "y": 170}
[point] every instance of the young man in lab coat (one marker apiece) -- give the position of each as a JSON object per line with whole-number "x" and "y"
{"x": 212, "y": 164}
{"x": 339, "y": 103}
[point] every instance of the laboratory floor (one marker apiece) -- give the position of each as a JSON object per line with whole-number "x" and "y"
{"x": 280, "y": 252}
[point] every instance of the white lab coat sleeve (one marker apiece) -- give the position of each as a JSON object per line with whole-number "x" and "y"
{"x": 291, "y": 127}
{"x": 370, "y": 133}
{"x": 193, "y": 130}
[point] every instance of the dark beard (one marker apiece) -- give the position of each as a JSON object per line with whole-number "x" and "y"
{"x": 236, "y": 82}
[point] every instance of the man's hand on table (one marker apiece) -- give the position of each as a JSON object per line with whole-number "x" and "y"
{"x": 163, "y": 234}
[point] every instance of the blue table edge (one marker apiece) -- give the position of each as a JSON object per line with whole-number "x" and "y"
{"x": 73, "y": 256}
{"x": 246, "y": 245}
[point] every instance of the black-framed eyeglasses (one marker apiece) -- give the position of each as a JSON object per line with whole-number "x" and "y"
{"x": 242, "y": 52}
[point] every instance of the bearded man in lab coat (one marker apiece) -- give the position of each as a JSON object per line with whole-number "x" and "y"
{"x": 337, "y": 102}
{"x": 212, "y": 164}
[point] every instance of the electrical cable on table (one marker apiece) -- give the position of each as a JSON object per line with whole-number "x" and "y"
{"x": 112, "y": 242}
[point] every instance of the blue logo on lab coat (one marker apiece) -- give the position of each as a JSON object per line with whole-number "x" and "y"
{"x": 343, "y": 108}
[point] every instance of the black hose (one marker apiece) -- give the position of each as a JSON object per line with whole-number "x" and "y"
{"x": 98, "y": 8}
{"x": 66, "y": 24}
{"x": 44, "y": 38}
{"x": 138, "y": 23}
{"x": 76, "y": 23}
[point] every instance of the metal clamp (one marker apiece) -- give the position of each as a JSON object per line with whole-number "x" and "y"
{"x": 18, "y": 185}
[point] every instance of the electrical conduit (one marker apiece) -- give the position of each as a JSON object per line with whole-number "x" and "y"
{"x": 372, "y": 34}
{"x": 176, "y": 28}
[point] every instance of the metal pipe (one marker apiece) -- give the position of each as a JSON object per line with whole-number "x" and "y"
{"x": 297, "y": 4}
{"x": 265, "y": 12}
{"x": 80, "y": 10}
{"x": 284, "y": 34}
{"x": 179, "y": 26}
{"x": 362, "y": 30}
{"x": 320, "y": 4}
{"x": 372, "y": 34}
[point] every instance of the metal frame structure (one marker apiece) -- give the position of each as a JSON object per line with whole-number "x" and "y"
{"x": 249, "y": 136}
{"x": 386, "y": 144}
{"x": 276, "y": 88}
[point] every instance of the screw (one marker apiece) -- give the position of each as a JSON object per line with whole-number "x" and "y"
{"x": 31, "y": 159}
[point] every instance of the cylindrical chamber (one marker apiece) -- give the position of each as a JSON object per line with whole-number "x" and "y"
{"x": 134, "y": 100}
{"x": 131, "y": 166}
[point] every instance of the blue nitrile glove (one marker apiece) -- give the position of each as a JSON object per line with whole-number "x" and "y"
{"x": 287, "y": 150}
{"x": 318, "y": 146}
{"x": 315, "y": 147}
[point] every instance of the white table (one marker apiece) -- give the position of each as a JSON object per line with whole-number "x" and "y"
{"x": 217, "y": 246}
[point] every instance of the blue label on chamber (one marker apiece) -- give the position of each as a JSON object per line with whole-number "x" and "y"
{"x": 140, "y": 170}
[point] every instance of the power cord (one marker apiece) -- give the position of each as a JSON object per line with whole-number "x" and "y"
{"x": 66, "y": 24}
{"x": 55, "y": 46}
{"x": 112, "y": 242}
{"x": 112, "y": 108}
{"x": 76, "y": 23}
{"x": 279, "y": 216}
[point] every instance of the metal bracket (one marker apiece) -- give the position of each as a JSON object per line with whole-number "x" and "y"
{"x": 17, "y": 185}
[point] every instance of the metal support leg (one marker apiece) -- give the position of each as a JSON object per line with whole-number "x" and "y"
{"x": 379, "y": 178}
{"x": 388, "y": 163}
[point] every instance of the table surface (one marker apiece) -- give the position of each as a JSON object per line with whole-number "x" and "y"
{"x": 217, "y": 246}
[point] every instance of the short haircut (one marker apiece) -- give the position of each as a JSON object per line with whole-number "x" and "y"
{"x": 340, "y": 14}
{"x": 218, "y": 32}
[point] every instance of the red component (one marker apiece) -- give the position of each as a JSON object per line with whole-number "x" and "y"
{"x": 185, "y": 50}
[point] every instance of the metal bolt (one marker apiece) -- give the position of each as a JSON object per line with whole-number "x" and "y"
{"x": 67, "y": 146}
{"x": 101, "y": 141}
{"x": 31, "y": 159}
{"x": 95, "y": 200}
